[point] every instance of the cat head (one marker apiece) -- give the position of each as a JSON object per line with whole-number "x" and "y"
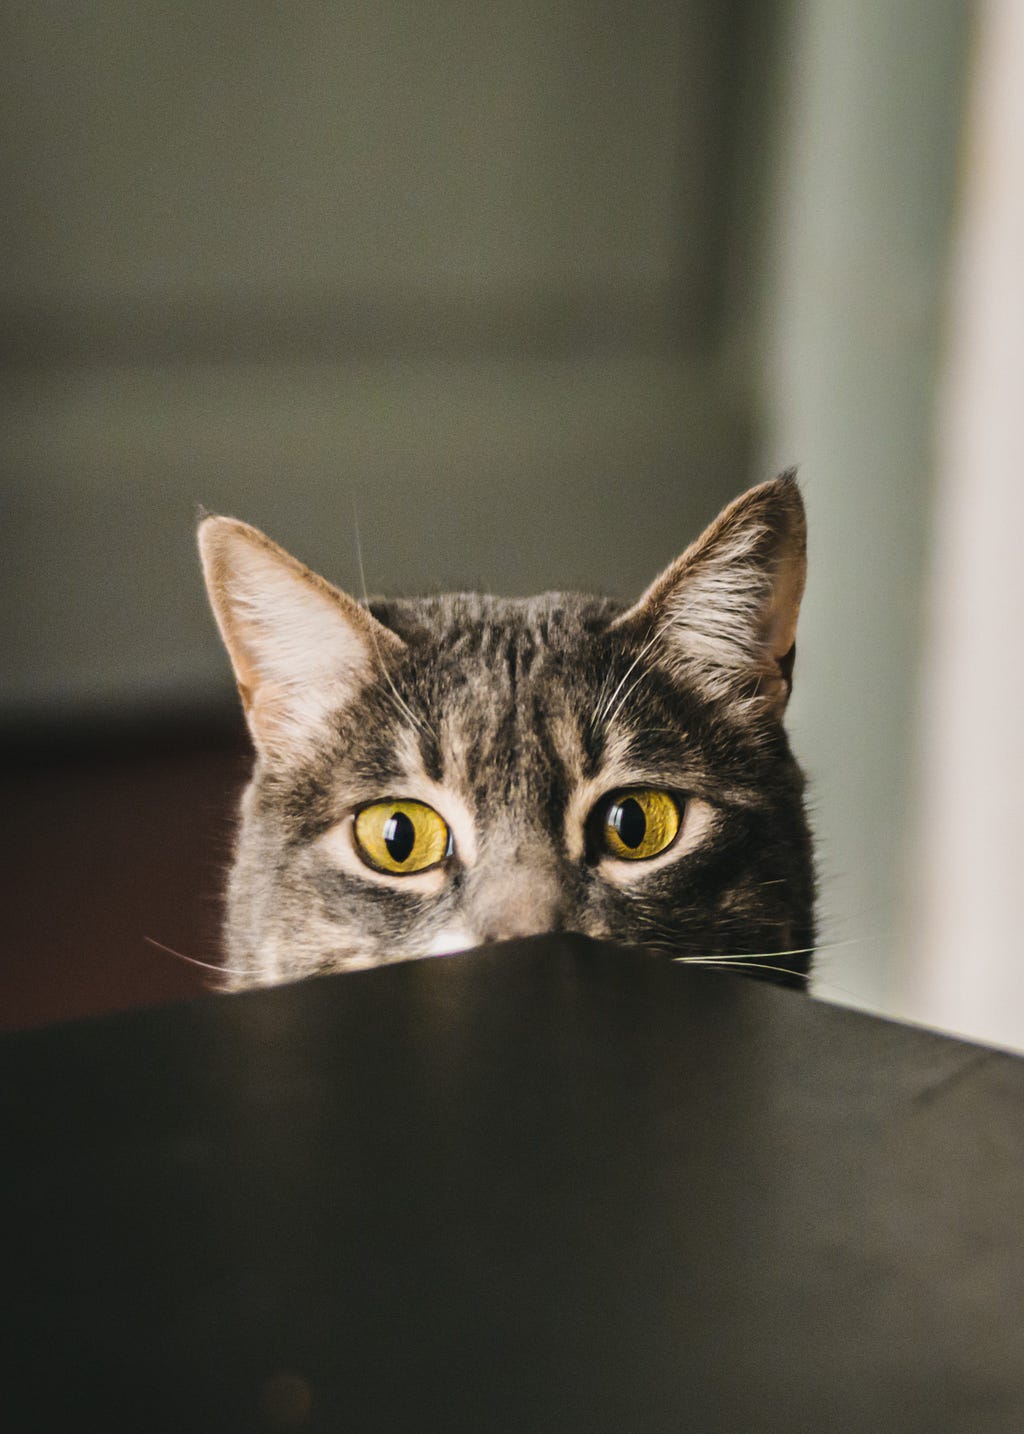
{"x": 436, "y": 773}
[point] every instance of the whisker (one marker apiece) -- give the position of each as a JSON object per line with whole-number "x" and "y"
{"x": 194, "y": 960}
{"x": 599, "y": 700}
{"x": 644, "y": 675}
{"x": 773, "y": 955}
{"x": 731, "y": 965}
{"x": 740, "y": 956}
{"x": 608, "y": 710}
{"x": 403, "y": 706}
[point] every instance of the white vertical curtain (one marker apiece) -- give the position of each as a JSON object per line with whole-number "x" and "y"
{"x": 962, "y": 967}
{"x": 855, "y": 304}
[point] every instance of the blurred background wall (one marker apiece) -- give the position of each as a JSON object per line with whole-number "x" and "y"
{"x": 527, "y": 293}
{"x": 455, "y": 269}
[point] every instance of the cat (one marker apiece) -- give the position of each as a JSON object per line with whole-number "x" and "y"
{"x": 437, "y": 773}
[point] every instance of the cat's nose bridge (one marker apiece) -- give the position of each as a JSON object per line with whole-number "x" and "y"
{"x": 516, "y": 892}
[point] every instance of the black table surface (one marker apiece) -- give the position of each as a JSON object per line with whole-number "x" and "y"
{"x": 552, "y": 1185}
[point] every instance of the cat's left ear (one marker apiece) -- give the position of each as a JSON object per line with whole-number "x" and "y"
{"x": 300, "y": 648}
{"x": 725, "y": 613}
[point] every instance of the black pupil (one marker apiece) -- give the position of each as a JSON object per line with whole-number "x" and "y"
{"x": 629, "y": 821}
{"x": 399, "y": 836}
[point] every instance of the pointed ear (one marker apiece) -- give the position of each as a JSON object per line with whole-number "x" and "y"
{"x": 299, "y": 647}
{"x": 725, "y": 612}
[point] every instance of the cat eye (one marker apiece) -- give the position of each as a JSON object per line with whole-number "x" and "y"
{"x": 637, "y": 824}
{"x": 400, "y": 837}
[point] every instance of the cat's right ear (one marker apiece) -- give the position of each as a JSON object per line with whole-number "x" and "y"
{"x": 724, "y": 614}
{"x": 300, "y": 648}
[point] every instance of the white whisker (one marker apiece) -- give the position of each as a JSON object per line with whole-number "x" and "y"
{"x": 732, "y": 964}
{"x": 402, "y": 705}
{"x": 610, "y": 707}
{"x": 194, "y": 961}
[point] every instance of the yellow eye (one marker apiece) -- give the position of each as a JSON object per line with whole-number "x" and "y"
{"x": 639, "y": 824}
{"x": 401, "y": 837}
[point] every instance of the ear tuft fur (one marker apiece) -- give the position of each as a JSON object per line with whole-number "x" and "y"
{"x": 726, "y": 610}
{"x": 298, "y": 645}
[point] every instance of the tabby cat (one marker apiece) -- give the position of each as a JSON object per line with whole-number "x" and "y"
{"x": 436, "y": 773}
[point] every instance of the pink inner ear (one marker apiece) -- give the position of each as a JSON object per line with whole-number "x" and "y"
{"x": 784, "y": 608}
{"x": 727, "y": 609}
{"x": 298, "y": 646}
{"x": 786, "y": 664}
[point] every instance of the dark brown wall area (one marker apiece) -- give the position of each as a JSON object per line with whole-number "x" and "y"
{"x": 105, "y": 846}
